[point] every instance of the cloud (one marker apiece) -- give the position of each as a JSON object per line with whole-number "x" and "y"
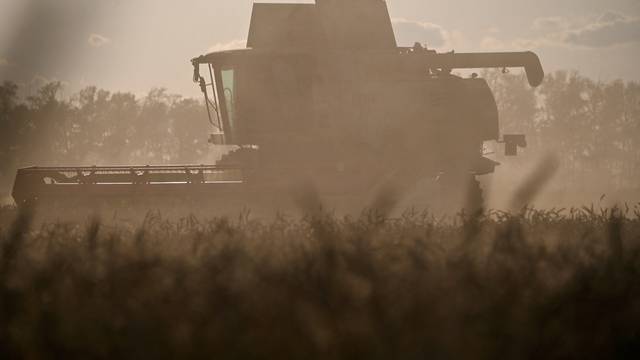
{"x": 611, "y": 16}
{"x": 493, "y": 30}
{"x": 97, "y": 40}
{"x": 549, "y": 40}
{"x": 492, "y": 43}
{"x": 609, "y": 29}
{"x": 606, "y": 30}
{"x": 550, "y": 24}
{"x": 231, "y": 45}
{"x": 408, "y": 32}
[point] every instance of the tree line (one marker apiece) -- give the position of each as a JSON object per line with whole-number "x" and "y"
{"x": 593, "y": 127}
{"x": 97, "y": 127}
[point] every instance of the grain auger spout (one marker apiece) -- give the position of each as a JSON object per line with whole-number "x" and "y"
{"x": 527, "y": 60}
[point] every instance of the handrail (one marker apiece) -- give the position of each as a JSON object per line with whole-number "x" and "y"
{"x": 129, "y": 168}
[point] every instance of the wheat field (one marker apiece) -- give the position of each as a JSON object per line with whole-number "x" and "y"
{"x": 537, "y": 284}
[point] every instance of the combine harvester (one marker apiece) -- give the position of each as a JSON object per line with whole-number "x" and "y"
{"x": 323, "y": 107}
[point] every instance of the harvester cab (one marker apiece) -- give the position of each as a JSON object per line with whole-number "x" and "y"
{"x": 322, "y": 95}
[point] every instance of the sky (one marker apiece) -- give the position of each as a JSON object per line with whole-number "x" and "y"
{"x": 136, "y": 45}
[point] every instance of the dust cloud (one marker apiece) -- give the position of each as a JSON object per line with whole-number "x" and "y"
{"x": 324, "y": 99}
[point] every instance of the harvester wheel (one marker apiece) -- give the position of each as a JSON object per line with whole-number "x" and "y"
{"x": 246, "y": 158}
{"x": 243, "y": 156}
{"x": 460, "y": 192}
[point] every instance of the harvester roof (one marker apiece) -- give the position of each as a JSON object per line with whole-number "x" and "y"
{"x": 355, "y": 24}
